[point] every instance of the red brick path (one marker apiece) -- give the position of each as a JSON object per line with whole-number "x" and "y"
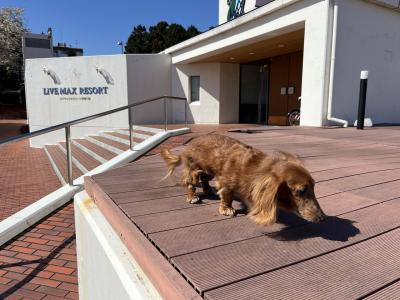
{"x": 26, "y": 176}
{"x": 40, "y": 263}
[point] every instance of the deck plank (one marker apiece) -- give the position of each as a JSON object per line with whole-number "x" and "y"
{"x": 344, "y": 274}
{"x": 219, "y": 265}
{"x": 392, "y": 292}
{"x": 241, "y": 228}
{"x": 350, "y": 255}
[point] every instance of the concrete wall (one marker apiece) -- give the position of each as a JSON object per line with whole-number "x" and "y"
{"x": 79, "y": 72}
{"x": 229, "y": 93}
{"x": 149, "y": 76}
{"x": 207, "y": 109}
{"x": 368, "y": 38}
{"x": 131, "y": 78}
{"x": 106, "y": 269}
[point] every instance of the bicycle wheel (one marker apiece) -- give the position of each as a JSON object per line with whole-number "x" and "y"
{"x": 294, "y": 118}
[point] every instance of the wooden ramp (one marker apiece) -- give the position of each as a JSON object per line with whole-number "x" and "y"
{"x": 354, "y": 254}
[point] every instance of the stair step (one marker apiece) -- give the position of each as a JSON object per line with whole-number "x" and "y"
{"x": 59, "y": 161}
{"x": 125, "y": 136}
{"x": 147, "y": 129}
{"x": 76, "y": 162}
{"x": 111, "y": 136}
{"x": 135, "y": 134}
{"x": 85, "y": 159}
{"x": 111, "y": 145}
{"x": 95, "y": 149}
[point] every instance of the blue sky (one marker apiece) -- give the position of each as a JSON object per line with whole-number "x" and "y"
{"x": 97, "y": 26}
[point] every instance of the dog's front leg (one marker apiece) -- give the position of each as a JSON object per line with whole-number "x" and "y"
{"x": 192, "y": 198}
{"x": 225, "y": 206}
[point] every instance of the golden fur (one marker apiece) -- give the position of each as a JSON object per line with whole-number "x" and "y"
{"x": 263, "y": 182}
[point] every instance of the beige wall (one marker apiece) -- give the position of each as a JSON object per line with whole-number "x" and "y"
{"x": 207, "y": 109}
{"x": 368, "y": 38}
{"x": 219, "y": 92}
{"x": 148, "y": 76}
{"x": 229, "y": 93}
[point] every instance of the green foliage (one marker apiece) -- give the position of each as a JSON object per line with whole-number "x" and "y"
{"x": 158, "y": 37}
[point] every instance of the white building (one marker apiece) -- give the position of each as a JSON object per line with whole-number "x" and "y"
{"x": 251, "y": 69}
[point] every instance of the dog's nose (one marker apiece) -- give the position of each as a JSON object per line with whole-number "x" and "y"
{"x": 320, "y": 218}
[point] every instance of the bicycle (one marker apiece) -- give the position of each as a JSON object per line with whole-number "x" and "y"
{"x": 294, "y": 116}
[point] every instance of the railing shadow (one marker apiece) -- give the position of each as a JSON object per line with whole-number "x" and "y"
{"x": 42, "y": 263}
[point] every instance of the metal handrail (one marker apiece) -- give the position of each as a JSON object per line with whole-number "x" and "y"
{"x": 67, "y": 126}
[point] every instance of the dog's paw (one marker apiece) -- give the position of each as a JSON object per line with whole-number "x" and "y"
{"x": 227, "y": 211}
{"x": 193, "y": 200}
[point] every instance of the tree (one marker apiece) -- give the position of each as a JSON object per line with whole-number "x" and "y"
{"x": 138, "y": 41}
{"x": 11, "y": 31}
{"x": 158, "y": 37}
{"x": 192, "y": 31}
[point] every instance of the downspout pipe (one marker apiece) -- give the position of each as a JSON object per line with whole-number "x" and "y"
{"x": 329, "y": 116}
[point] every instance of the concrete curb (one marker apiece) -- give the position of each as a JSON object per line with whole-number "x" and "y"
{"x": 121, "y": 276}
{"x": 31, "y": 214}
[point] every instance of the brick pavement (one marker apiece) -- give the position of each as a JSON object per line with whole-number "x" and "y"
{"x": 26, "y": 175}
{"x": 40, "y": 263}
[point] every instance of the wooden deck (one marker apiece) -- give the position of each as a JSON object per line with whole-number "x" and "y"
{"x": 354, "y": 254}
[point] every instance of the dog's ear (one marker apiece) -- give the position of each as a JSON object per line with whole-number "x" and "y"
{"x": 289, "y": 157}
{"x": 265, "y": 197}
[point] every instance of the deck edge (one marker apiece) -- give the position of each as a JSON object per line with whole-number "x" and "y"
{"x": 166, "y": 279}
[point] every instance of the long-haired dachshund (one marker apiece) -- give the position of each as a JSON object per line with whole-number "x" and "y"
{"x": 263, "y": 182}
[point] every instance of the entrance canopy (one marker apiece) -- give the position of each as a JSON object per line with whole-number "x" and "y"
{"x": 274, "y": 46}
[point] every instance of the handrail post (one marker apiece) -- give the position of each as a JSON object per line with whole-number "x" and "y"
{"x": 69, "y": 153}
{"x": 130, "y": 128}
{"x": 165, "y": 113}
{"x": 186, "y": 122}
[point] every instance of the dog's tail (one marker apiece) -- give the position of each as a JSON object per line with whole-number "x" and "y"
{"x": 172, "y": 161}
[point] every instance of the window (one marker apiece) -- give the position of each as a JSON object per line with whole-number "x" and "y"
{"x": 194, "y": 88}
{"x": 37, "y": 43}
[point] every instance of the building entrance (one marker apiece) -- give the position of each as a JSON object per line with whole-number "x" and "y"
{"x": 270, "y": 89}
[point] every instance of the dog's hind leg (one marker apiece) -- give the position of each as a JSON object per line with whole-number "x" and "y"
{"x": 225, "y": 205}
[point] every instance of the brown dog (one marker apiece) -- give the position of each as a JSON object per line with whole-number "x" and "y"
{"x": 263, "y": 182}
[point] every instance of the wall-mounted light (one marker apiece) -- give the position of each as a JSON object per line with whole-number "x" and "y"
{"x": 52, "y": 74}
{"x": 103, "y": 72}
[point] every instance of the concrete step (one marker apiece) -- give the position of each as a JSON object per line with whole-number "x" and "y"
{"x": 58, "y": 159}
{"x": 136, "y": 134}
{"x": 120, "y": 138}
{"x": 108, "y": 144}
{"x": 86, "y": 160}
{"x": 94, "y": 150}
{"x": 147, "y": 129}
{"x": 124, "y": 135}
